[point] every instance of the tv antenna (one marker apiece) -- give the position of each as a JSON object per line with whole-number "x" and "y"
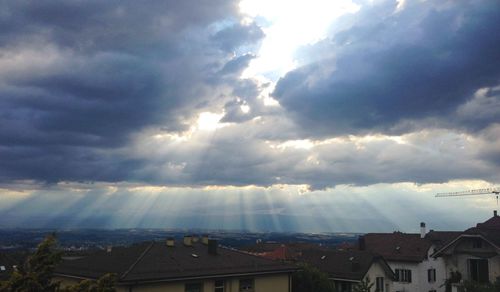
{"x": 488, "y": 191}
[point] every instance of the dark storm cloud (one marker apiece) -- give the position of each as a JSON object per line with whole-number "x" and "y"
{"x": 235, "y": 35}
{"x": 387, "y": 69}
{"x": 237, "y": 65}
{"x": 78, "y": 78}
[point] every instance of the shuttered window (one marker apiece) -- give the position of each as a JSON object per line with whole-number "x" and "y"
{"x": 379, "y": 284}
{"x": 403, "y": 275}
{"x": 431, "y": 275}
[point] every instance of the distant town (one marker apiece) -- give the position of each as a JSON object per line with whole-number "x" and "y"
{"x": 94, "y": 239}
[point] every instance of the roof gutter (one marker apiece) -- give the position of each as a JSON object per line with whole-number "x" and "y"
{"x": 345, "y": 280}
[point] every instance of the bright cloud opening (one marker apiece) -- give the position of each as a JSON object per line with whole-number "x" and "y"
{"x": 209, "y": 121}
{"x": 291, "y": 24}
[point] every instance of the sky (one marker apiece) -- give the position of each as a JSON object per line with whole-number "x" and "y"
{"x": 263, "y": 115}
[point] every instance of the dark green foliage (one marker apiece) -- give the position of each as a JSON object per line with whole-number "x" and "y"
{"x": 363, "y": 286}
{"x": 310, "y": 279}
{"x": 454, "y": 278}
{"x": 104, "y": 284}
{"x": 471, "y": 286}
{"x": 36, "y": 274}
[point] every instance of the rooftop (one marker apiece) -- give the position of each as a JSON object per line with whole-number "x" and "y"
{"x": 489, "y": 229}
{"x": 350, "y": 265}
{"x": 155, "y": 261}
{"x": 408, "y": 247}
{"x": 398, "y": 246}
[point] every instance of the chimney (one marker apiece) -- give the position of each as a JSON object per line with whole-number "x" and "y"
{"x": 422, "y": 230}
{"x": 170, "y": 242}
{"x": 188, "y": 240}
{"x": 204, "y": 239}
{"x": 495, "y": 213}
{"x": 361, "y": 243}
{"x": 212, "y": 246}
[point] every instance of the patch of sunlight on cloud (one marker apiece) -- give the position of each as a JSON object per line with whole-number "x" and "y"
{"x": 289, "y": 25}
{"x": 296, "y": 144}
{"x": 175, "y": 137}
{"x": 245, "y": 108}
{"x": 146, "y": 189}
{"x": 209, "y": 121}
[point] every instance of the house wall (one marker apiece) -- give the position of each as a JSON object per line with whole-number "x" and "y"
{"x": 420, "y": 281}
{"x": 414, "y": 286}
{"x": 457, "y": 258}
{"x": 375, "y": 271}
{"x": 458, "y": 262}
{"x": 441, "y": 273}
{"x": 267, "y": 283}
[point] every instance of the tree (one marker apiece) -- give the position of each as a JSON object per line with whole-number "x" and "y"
{"x": 471, "y": 286}
{"x": 37, "y": 272}
{"x": 310, "y": 279}
{"x": 364, "y": 286}
{"x": 455, "y": 277}
{"x": 104, "y": 284}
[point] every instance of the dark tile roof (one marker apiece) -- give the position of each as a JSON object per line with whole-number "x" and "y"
{"x": 490, "y": 229}
{"x": 441, "y": 238}
{"x": 350, "y": 265}
{"x": 398, "y": 246}
{"x": 157, "y": 262}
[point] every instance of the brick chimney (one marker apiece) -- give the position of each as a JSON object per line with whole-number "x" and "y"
{"x": 422, "y": 229}
{"x": 495, "y": 213}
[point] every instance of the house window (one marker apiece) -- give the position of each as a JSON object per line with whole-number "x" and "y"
{"x": 219, "y": 286}
{"x": 478, "y": 270}
{"x": 431, "y": 275}
{"x": 246, "y": 285}
{"x": 403, "y": 275}
{"x": 379, "y": 284}
{"x": 193, "y": 287}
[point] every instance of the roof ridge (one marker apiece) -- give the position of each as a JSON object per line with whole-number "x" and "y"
{"x": 137, "y": 261}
